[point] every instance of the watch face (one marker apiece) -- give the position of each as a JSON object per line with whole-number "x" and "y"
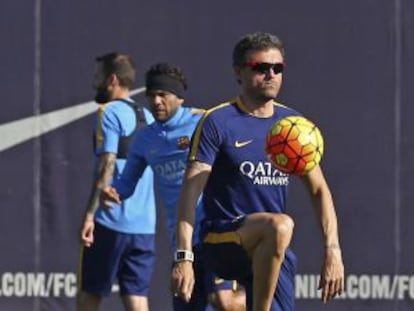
{"x": 183, "y": 255}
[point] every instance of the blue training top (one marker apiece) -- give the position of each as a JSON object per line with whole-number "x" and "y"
{"x": 242, "y": 181}
{"x": 165, "y": 147}
{"x": 135, "y": 215}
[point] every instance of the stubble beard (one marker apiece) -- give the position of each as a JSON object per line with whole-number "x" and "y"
{"x": 102, "y": 96}
{"x": 265, "y": 95}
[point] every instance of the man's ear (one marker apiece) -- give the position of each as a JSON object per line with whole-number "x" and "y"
{"x": 236, "y": 70}
{"x": 113, "y": 80}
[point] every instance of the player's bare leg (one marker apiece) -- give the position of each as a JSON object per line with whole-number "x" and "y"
{"x": 135, "y": 303}
{"x": 228, "y": 300}
{"x": 265, "y": 237}
{"x": 87, "y": 302}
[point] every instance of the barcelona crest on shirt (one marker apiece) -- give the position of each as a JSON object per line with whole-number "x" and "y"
{"x": 183, "y": 142}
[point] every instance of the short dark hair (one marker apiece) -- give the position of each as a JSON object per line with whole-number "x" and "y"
{"x": 170, "y": 70}
{"x": 258, "y": 41}
{"x": 120, "y": 65}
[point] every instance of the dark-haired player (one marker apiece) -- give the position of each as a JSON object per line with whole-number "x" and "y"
{"x": 164, "y": 146}
{"x": 246, "y": 231}
{"x": 118, "y": 244}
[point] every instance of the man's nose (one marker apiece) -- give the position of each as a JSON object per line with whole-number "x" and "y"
{"x": 271, "y": 73}
{"x": 156, "y": 100}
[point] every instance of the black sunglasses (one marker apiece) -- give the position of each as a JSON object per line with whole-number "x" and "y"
{"x": 265, "y": 67}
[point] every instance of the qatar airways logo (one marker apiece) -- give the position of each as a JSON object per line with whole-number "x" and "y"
{"x": 171, "y": 170}
{"x": 264, "y": 173}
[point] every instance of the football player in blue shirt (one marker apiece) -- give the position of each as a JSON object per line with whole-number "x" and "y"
{"x": 164, "y": 146}
{"x": 118, "y": 244}
{"x": 246, "y": 232}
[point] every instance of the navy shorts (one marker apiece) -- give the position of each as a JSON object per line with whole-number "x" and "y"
{"x": 116, "y": 256}
{"x": 224, "y": 255}
{"x": 205, "y": 283}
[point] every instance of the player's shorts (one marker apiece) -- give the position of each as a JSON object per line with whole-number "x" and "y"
{"x": 223, "y": 254}
{"x": 127, "y": 258}
{"x": 205, "y": 283}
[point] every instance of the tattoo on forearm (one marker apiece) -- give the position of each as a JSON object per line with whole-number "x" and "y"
{"x": 106, "y": 170}
{"x": 105, "y": 175}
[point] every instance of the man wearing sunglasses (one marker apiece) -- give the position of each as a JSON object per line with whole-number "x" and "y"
{"x": 246, "y": 231}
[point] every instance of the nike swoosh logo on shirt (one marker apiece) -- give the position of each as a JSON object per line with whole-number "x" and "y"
{"x": 239, "y": 144}
{"x": 19, "y": 131}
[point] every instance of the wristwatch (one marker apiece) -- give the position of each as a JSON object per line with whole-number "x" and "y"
{"x": 183, "y": 255}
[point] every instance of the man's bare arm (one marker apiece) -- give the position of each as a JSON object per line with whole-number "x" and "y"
{"x": 104, "y": 177}
{"x": 196, "y": 176}
{"x": 332, "y": 275}
{"x": 195, "y": 179}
